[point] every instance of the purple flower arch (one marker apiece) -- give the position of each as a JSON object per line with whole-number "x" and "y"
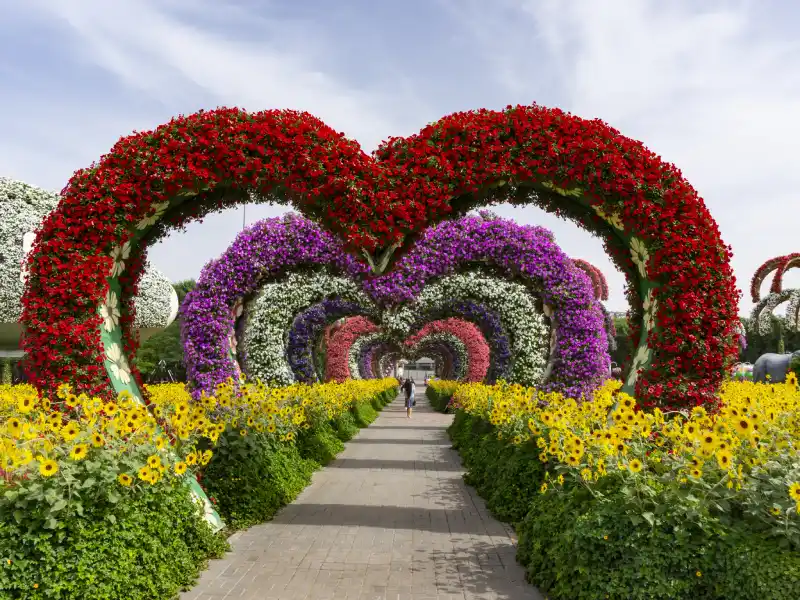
{"x": 263, "y": 251}
{"x": 275, "y": 246}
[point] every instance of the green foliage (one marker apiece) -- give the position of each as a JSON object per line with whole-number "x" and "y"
{"x": 364, "y": 414}
{"x": 622, "y": 354}
{"x": 319, "y": 444}
{"x": 124, "y": 546}
{"x": 744, "y": 567}
{"x": 252, "y": 476}
{"x": 777, "y": 340}
{"x": 438, "y": 401}
{"x": 794, "y": 365}
{"x": 581, "y": 544}
{"x": 165, "y": 345}
{"x": 345, "y": 426}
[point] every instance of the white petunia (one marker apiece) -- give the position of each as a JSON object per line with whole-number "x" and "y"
{"x": 118, "y": 365}
{"x": 109, "y": 311}
{"x": 640, "y": 255}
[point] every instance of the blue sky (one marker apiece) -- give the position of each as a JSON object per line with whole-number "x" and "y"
{"x": 713, "y": 87}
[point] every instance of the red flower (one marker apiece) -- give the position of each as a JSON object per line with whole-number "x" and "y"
{"x": 203, "y": 162}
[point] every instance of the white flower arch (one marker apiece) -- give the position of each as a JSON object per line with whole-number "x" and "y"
{"x": 23, "y": 207}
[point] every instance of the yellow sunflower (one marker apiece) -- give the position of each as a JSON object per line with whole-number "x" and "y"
{"x": 794, "y": 491}
{"x": 79, "y": 452}
{"x": 635, "y": 465}
{"x": 48, "y": 467}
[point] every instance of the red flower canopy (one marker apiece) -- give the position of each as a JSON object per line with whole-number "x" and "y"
{"x": 656, "y": 228}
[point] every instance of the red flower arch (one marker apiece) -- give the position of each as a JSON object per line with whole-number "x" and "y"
{"x": 779, "y": 264}
{"x": 655, "y": 227}
{"x": 599, "y": 283}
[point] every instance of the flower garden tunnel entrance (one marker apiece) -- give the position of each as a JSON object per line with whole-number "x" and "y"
{"x": 655, "y": 227}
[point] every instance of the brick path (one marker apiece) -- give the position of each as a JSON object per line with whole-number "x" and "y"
{"x": 390, "y": 519}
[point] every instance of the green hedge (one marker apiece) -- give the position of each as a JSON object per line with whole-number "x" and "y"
{"x": 579, "y": 546}
{"x": 144, "y": 546}
{"x": 250, "y": 478}
{"x": 438, "y": 401}
{"x": 151, "y": 544}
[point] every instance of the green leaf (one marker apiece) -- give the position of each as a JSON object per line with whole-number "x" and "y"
{"x": 648, "y": 516}
{"x": 59, "y": 505}
{"x": 19, "y": 516}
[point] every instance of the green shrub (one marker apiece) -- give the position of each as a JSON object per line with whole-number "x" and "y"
{"x": 438, "y": 400}
{"x": 578, "y": 544}
{"x": 345, "y": 426}
{"x": 364, "y": 414}
{"x": 251, "y": 477}
{"x": 146, "y": 545}
{"x": 747, "y": 566}
{"x": 319, "y": 444}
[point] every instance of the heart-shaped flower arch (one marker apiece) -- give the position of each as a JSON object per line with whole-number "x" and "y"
{"x": 655, "y": 226}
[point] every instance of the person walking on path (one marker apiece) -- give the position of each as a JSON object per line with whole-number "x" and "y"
{"x": 410, "y": 390}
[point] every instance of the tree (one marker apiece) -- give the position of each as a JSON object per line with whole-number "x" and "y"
{"x": 622, "y": 353}
{"x": 165, "y": 345}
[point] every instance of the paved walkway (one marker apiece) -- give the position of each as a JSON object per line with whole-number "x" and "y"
{"x": 389, "y": 519}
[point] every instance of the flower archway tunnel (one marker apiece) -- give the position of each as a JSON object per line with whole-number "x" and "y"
{"x": 654, "y": 225}
{"x": 762, "y": 315}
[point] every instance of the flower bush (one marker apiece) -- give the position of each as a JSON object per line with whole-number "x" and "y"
{"x": 599, "y": 283}
{"x": 447, "y": 346}
{"x": 156, "y": 305}
{"x": 444, "y": 249}
{"x": 490, "y": 325}
{"x": 22, "y": 210}
{"x": 263, "y": 252}
{"x": 698, "y": 495}
{"x": 269, "y": 317}
{"x": 476, "y": 349}
{"x": 92, "y": 489}
{"x": 779, "y": 265}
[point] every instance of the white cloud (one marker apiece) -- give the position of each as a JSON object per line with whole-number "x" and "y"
{"x": 173, "y": 56}
{"x": 698, "y": 84}
{"x": 715, "y": 90}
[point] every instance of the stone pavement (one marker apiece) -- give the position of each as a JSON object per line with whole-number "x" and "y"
{"x": 389, "y": 519}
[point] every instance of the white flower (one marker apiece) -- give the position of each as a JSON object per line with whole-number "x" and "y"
{"x": 270, "y": 315}
{"x": 110, "y": 311}
{"x": 640, "y": 255}
{"x": 641, "y": 358}
{"x": 156, "y": 305}
{"x": 650, "y": 306}
{"x": 22, "y": 208}
{"x": 152, "y": 219}
{"x": 118, "y": 364}
{"x": 119, "y": 255}
{"x": 529, "y": 335}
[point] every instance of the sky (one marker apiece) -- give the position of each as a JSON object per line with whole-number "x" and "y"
{"x": 713, "y": 87}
